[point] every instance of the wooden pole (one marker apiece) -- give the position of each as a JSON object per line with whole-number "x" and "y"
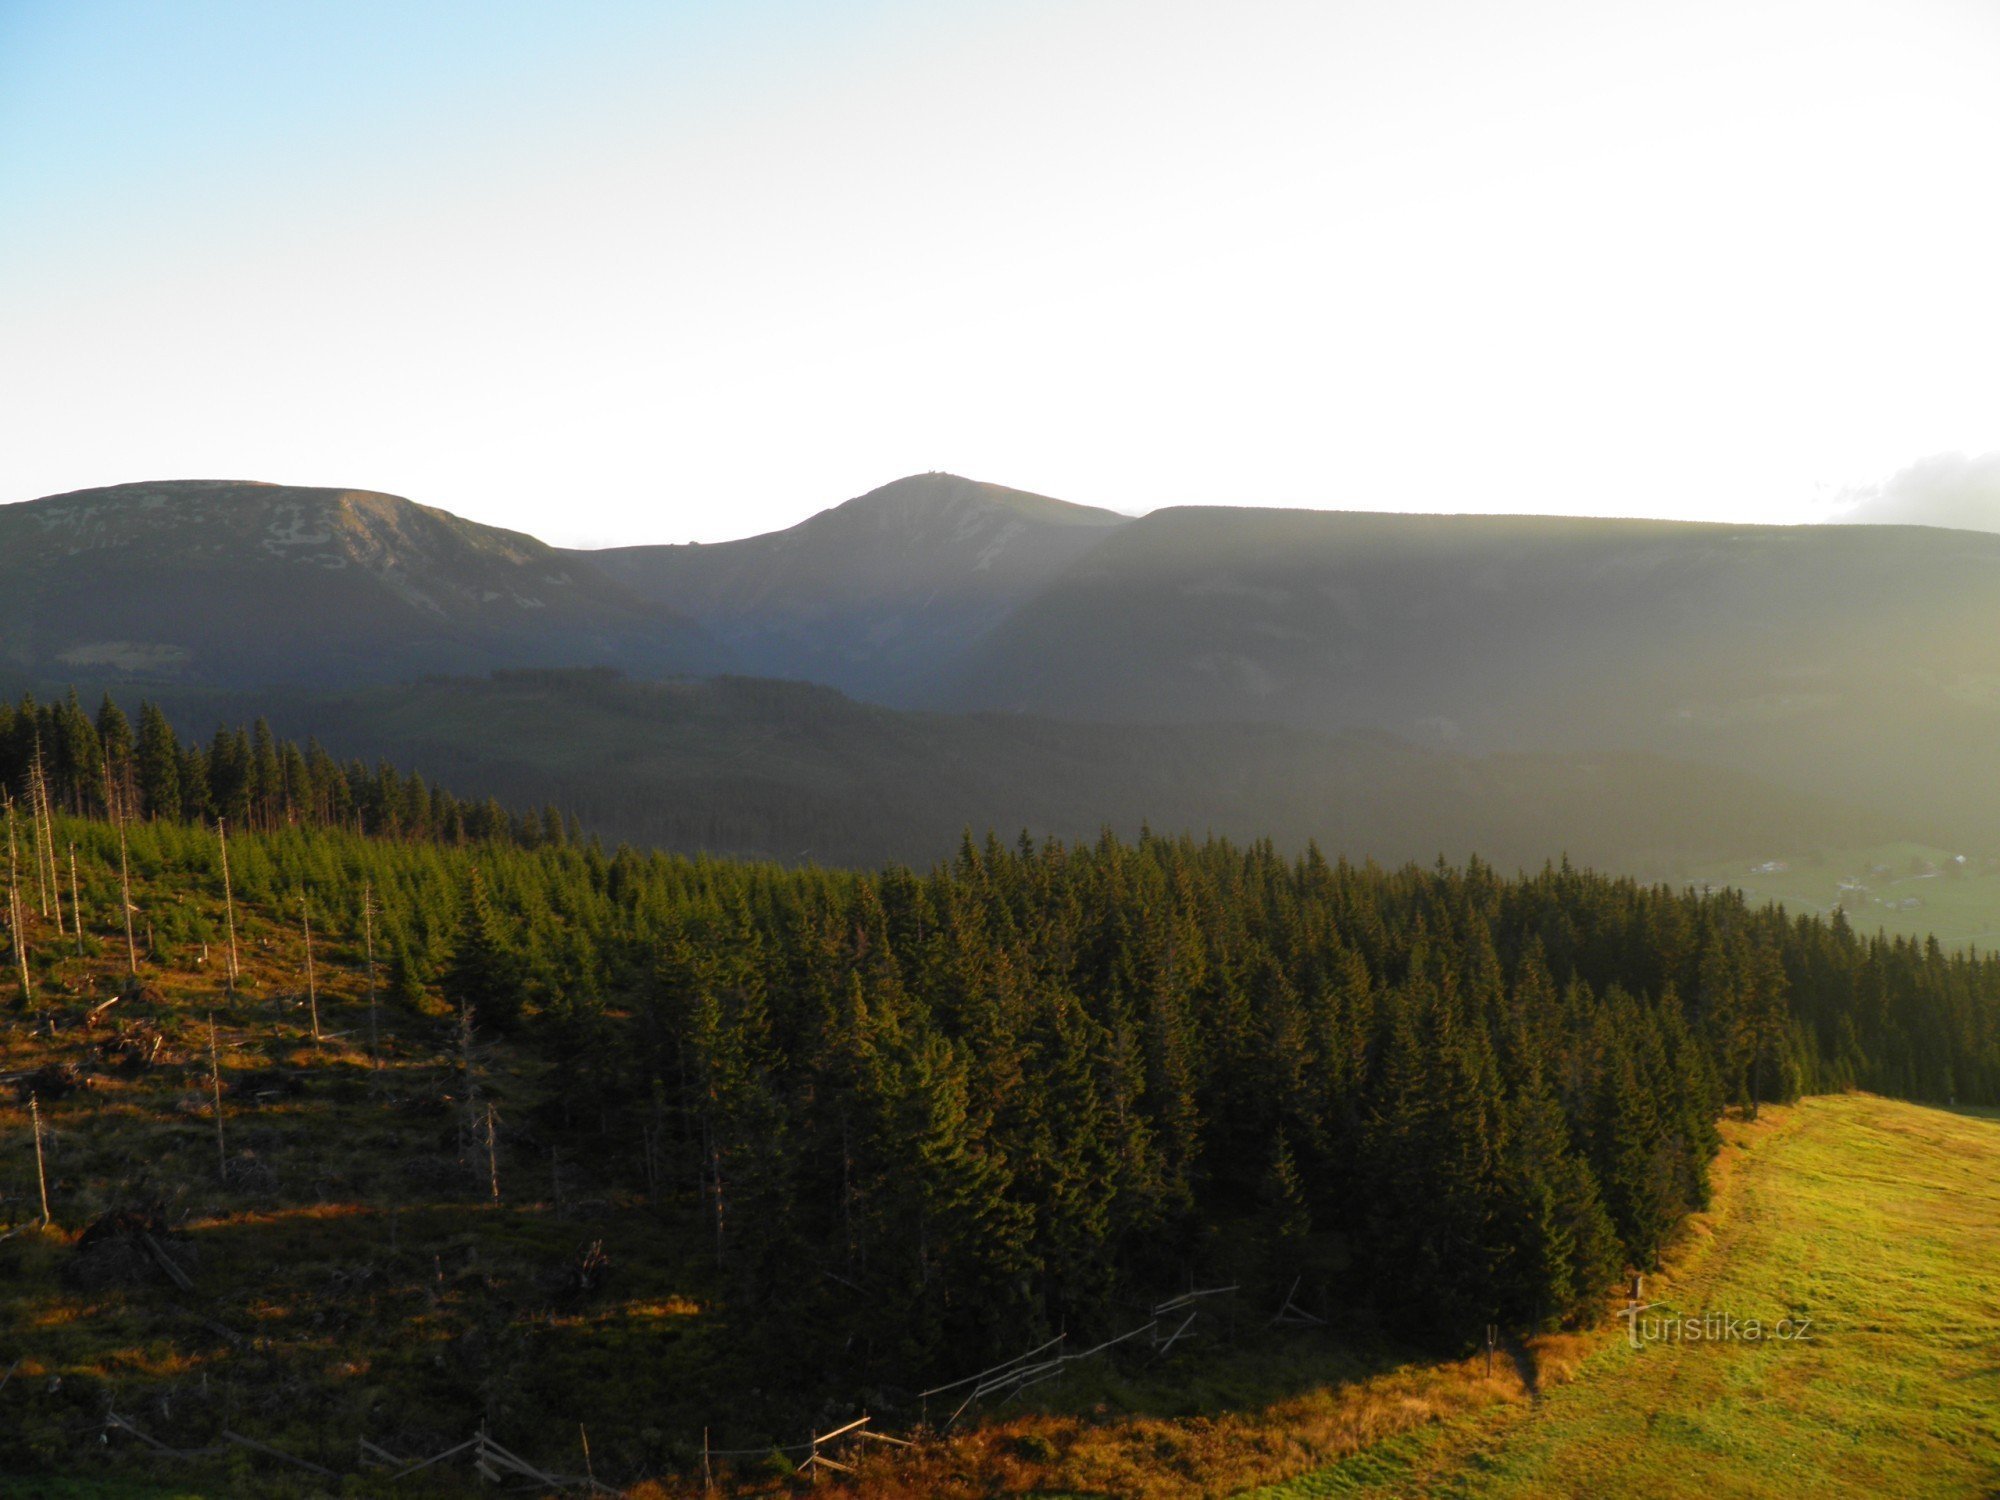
{"x": 17, "y": 927}
{"x": 312, "y": 985}
{"x": 707, "y": 1468}
{"x": 35, "y": 825}
{"x": 41, "y": 1169}
{"x": 215, "y": 1081}
{"x": 368, "y": 939}
{"x": 492, "y": 1154}
{"x": 468, "y": 1086}
{"x": 124, "y": 878}
{"x": 228, "y": 899}
{"x": 75, "y": 901}
{"x": 49, "y": 834}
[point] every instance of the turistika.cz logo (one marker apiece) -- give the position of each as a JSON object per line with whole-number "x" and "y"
{"x": 1646, "y": 1325}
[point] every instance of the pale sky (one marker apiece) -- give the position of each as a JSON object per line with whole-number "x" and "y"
{"x": 654, "y": 271}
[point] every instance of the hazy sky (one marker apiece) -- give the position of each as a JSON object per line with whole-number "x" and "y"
{"x": 646, "y": 272}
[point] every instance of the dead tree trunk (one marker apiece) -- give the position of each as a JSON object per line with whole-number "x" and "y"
{"x": 312, "y": 984}
{"x": 492, "y": 1154}
{"x": 49, "y": 834}
{"x": 75, "y": 900}
{"x": 368, "y": 941}
{"x": 228, "y": 899}
{"x": 41, "y": 1168}
{"x": 124, "y": 876}
{"x": 35, "y": 826}
{"x": 17, "y": 927}
{"x": 215, "y": 1083}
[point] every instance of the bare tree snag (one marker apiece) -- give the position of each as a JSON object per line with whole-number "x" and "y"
{"x": 41, "y": 1168}
{"x": 75, "y": 900}
{"x": 368, "y": 940}
{"x": 215, "y": 1083}
{"x": 228, "y": 899}
{"x": 312, "y": 984}
{"x": 124, "y": 876}
{"x": 492, "y": 1154}
{"x": 17, "y": 926}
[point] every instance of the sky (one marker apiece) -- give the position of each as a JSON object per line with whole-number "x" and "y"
{"x": 668, "y": 271}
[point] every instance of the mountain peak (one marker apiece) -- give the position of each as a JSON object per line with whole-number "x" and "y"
{"x": 872, "y": 594}
{"x": 921, "y": 497}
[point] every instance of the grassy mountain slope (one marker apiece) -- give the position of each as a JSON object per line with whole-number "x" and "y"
{"x": 877, "y": 595}
{"x": 789, "y": 771}
{"x": 238, "y": 584}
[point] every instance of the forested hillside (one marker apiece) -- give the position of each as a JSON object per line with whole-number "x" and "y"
{"x": 795, "y": 772}
{"x": 62, "y": 758}
{"x": 892, "y": 1124}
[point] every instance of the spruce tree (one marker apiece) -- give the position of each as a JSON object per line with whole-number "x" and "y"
{"x": 483, "y": 975}
{"x": 158, "y": 766}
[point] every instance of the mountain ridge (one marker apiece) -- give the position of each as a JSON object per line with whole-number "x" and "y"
{"x": 237, "y": 582}
{"x": 1846, "y": 663}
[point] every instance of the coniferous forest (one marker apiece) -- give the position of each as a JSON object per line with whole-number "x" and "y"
{"x": 98, "y": 764}
{"x": 932, "y": 1114}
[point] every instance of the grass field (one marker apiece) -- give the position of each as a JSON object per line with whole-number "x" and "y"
{"x": 1907, "y": 889}
{"x": 1879, "y": 1221}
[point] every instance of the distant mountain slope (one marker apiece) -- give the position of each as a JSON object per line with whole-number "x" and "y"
{"x": 875, "y": 596}
{"x": 1862, "y": 662}
{"x": 791, "y": 771}
{"x": 234, "y": 583}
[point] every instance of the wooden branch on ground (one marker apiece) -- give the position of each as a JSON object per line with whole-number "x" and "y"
{"x": 436, "y": 1459}
{"x": 1173, "y": 1304}
{"x": 166, "y": 1262}
{"x": 279, "y": 1453}
{"x": 112, "y": 1419}
{"x": 827, "y": 1437}
{"x": 492, "y": 1453}
{"x": 1004, "y": 1364}
{"x": 228, "y": 1334}
{"x": 1291, "y": 1312}
{"x": 1169, "y": 1344}
{"x": 380, "y": 1457}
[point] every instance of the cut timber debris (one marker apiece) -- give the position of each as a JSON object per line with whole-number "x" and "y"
{"x": 124, "y": 1247}
{"x": 51, "y": 1081}
{"x": 265, "y": 1085}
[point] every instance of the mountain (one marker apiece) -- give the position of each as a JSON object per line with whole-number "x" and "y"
{"x": 876, "y": 596}
{"x": 233, "y": 583}
{"x": 1393, "y": 685}
{"x": 1859, "y": 662}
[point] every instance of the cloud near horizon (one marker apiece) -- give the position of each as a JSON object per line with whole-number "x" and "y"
{"x": 1954, "y": 490}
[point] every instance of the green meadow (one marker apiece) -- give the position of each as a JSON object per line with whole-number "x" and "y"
{"x": 1905, "y": 889}
{"x": 1876, "y": 1220}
